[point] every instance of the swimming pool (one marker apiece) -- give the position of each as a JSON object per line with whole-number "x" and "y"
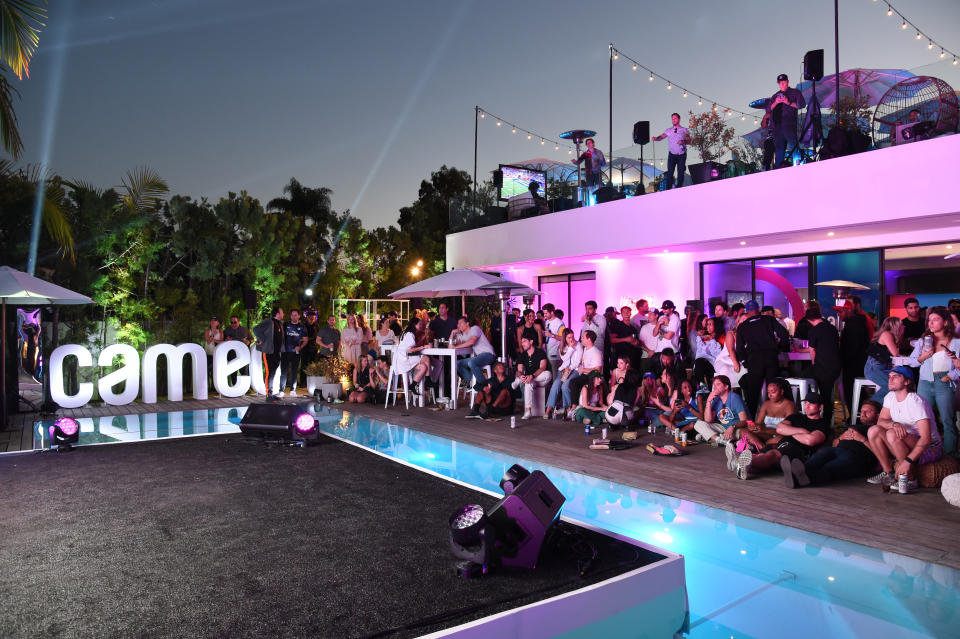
{"x": 745, "y": 577}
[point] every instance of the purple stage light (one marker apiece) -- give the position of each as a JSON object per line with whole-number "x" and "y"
{"x": 304, "y": 423}
{"x": 67, "y": 425}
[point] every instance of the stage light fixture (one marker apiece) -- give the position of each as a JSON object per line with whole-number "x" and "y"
{"x": 282, "y": 422}
{"x": 308, "y": 292}
{"x": 64, "y": 432}
{"x": 472, "y": 540}
{"x": 512, "y": 478}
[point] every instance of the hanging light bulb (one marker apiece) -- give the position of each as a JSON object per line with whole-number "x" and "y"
{"x": 954, "y": 62}
{"x": 904, "y": 25}
{"x": 919, "y": 36}
{"x": 616, "y": 54}
{"x": 942, "y": 54}
{"x": 755, "y": 121}
{"x": 684, "y": 93}
{"x": 514, "y": 130}
{"x": 541, "y": 141}
{"x": 529, "y": 137}
{"x": 499, "y": 123}
{"x": 634, "y": 66}
{"x": 889, "y": 10}
{"x": 743, "y": 117}
{"x": 651, "y": 76}
{"x": 569, "y": 151}
{"x": 699, "y": 101}
{"x": 669, "y": 85}
{"x": 482, "y": 114}
{"x": 930, "y": 45}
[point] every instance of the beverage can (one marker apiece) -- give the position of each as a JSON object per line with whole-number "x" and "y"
{"x": 885, "y": 486}
{"x": 513, "y": 421}
{"x": 928, "y": 343}
{"x": 683, "y": 439}
{"x": 603, "y": 433}
{"x": 902, "y": 484}
{"x": 586, "y": 428}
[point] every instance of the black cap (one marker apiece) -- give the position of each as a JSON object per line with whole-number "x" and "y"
{"x": 668, "y": 304}
{"x": 782, "y": 77}
{"x": 611, "y": 309}
{"x": 813, "y": 397}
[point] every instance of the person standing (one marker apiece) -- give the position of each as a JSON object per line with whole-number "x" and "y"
{"x": 553, "y": 327}
{"x": 678, "y": 138}
{"x": 769, "y": 147}
{"x": 269, "y": 334}
{"x": 294, "y": 339}
{"x": 239, "y": 333}
{"x": 825, "y": 365}
{"x": 328, "y": 338}
{"x": 854, "y": 340}
{"x": 760, "y": 339}
{"x": 783, "y": 107}
{"x": 913, "y": 324}
{"x": 593, "y": 322}
{"x": 593, "y": 164}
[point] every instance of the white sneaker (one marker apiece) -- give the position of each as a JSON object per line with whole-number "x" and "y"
{"x": 280, "y": 394}
{"x": 743, "y": 463}
{"x": 731, "y": 453}
{"x": 527, "y": 416}
{"x": 883, "y": 477}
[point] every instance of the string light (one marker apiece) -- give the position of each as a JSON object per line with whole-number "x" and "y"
{"x": 684, "y": 94}
{"x": 954, "y": 62}
{"x": 530, "y": 134}
{"x": 616, "y": 56}
{"x": 669, "y": 86}
{"x": 920, "y": 35}
{"x": 651, "y": 77}
{"x": 699, "y": 101}
{"x": 634, "y": 67}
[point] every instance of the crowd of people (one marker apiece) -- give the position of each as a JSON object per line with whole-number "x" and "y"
{"x": 716, "y": 378}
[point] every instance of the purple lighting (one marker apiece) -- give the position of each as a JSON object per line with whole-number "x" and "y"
{"x": 304, "y": 423}
{"x": 67, "y": 425}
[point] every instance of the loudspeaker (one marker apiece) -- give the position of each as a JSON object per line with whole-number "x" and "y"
{"x": 498, "y": 178}
{"x": 249, "y": 298}
{"x": 522, "y": 519}
{"x": 813, "y": 65}
{"x": 712, "y": 303}
{"x": 641, "y": 132}
{"x": 696, "y": 305}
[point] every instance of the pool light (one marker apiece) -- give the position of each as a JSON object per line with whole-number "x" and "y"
{"x": 64, "y": 432}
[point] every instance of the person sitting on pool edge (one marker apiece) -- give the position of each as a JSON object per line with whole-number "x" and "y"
{"x": 723, "y": 415}
{"x": 848, "y": 458}
{"x": 495, "y": 399}
{"x": 906, "y": 431}
{"x": 801, "y": 435}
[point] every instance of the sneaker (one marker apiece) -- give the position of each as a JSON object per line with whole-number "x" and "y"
{"x": 527, "y": 416}
{"x": 883, "y": 477}
{"x": 484, "y": 412}
{"x": 731, "y": 452}
{"x": 743, "y": 464}
{"x": 699, "y": 438}
{"x": 799, "y": 471}
{"x": 474, "y": 413}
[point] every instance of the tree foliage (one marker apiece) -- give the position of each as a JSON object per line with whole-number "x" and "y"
{"x": 709, "y": 135}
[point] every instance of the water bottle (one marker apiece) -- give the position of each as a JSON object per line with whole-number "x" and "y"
{"x": 513, "y": 421}
{"x": 902, "y": 484}
{"x": 603, "y": 433}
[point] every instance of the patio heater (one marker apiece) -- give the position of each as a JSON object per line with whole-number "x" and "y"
{"x": 578, "y": 136}
{"x": 841, "y": 291}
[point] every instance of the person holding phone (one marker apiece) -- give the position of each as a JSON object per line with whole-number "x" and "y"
{"x": 783, "y": 107}
{"x": 678, "y": 138}
{"x": 936, "y": 354}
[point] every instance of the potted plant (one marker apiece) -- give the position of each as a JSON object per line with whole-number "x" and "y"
{"x": 710, "y": 137}
{"x": 316, "y": 375}
{"x": 328, "y": 374}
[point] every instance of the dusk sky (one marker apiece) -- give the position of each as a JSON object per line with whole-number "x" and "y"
{"x": 367, "y": 98}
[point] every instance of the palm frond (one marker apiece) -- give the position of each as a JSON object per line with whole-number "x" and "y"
{"x": 82, "y": 186}
{"x": 20, "y": 24}
{"x": 57, "y": 225}
{"x": 142, "y": 189}
{"x": 9, "y": 129}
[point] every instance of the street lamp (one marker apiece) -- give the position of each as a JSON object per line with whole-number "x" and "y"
{"x": 415, "y": 270}
{"x": 419, "y": 262}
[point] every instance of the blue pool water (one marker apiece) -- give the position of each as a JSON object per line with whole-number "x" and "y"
{"x": 746, "y": 577}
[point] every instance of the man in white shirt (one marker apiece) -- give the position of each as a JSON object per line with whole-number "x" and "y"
{"x": 593, "y": 322}
{"x": 483, "y": 353}
{"x": 649, "y": 341}
{"x": 906, "y": 430}
{"x": 590, "y": 361}
{"x": 667, "y": 328}
{"x": 638, "y": 320}
{"x": 678, "y": 138}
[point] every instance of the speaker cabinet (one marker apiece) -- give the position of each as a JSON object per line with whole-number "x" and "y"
{"x": 608, "y": 194}
{"x": 813, "y": 65}
{"x": 522, "y": 519}
{"x": 498, "y": 179}
{"x": 641, "y": 132}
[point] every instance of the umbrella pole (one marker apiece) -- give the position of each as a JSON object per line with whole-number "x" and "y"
{"x": 503, "y": 329}
{"x": 463, "y": 304}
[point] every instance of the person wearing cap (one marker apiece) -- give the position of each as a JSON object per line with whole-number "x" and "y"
{"x": 667, "y": 328}
{"x": 800, "y": 436}
{"x": 906, "y": 431}
{"x": 824, "y": 347}
{"x": 760, "y": 340}
{"x": 854, "y": 340}
{"x": 783, "y": 107}
{"x": 678, "y": 138}
{"x": 850, "y": 456}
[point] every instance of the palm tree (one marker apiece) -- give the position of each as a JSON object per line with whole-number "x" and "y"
{"x": 305, "y": 202}
{"x": 20, "y": 24}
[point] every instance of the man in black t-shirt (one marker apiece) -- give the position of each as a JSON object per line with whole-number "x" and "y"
{"x": 623, "y": 338}
{"x": 760, "y": 340}
{"x": 800, "y": 435}
{"x": 533, "y": 370}
{"x": 854, "y": 339}
{"x": 825, "y": 363}
{"x": 913, "y": 324}
{"x": 443, "y": 325}
{"x": 848, "y": 458}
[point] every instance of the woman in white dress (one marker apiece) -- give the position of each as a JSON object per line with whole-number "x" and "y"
{"x": 726, "y": 362}
{"x": 351, "y": 340}
{"x": 407, "y": 357}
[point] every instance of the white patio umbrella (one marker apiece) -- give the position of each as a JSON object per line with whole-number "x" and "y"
{"x": 18, "y": 287}
{"x": 463, "y": 282}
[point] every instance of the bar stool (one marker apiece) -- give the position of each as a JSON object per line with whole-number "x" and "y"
{"x": 858, "y": 385}
{"x": 393, "y": 387}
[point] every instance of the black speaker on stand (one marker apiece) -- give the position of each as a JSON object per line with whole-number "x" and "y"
{"x": 813, "y": 65}
{"x": 641, "y": 135}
